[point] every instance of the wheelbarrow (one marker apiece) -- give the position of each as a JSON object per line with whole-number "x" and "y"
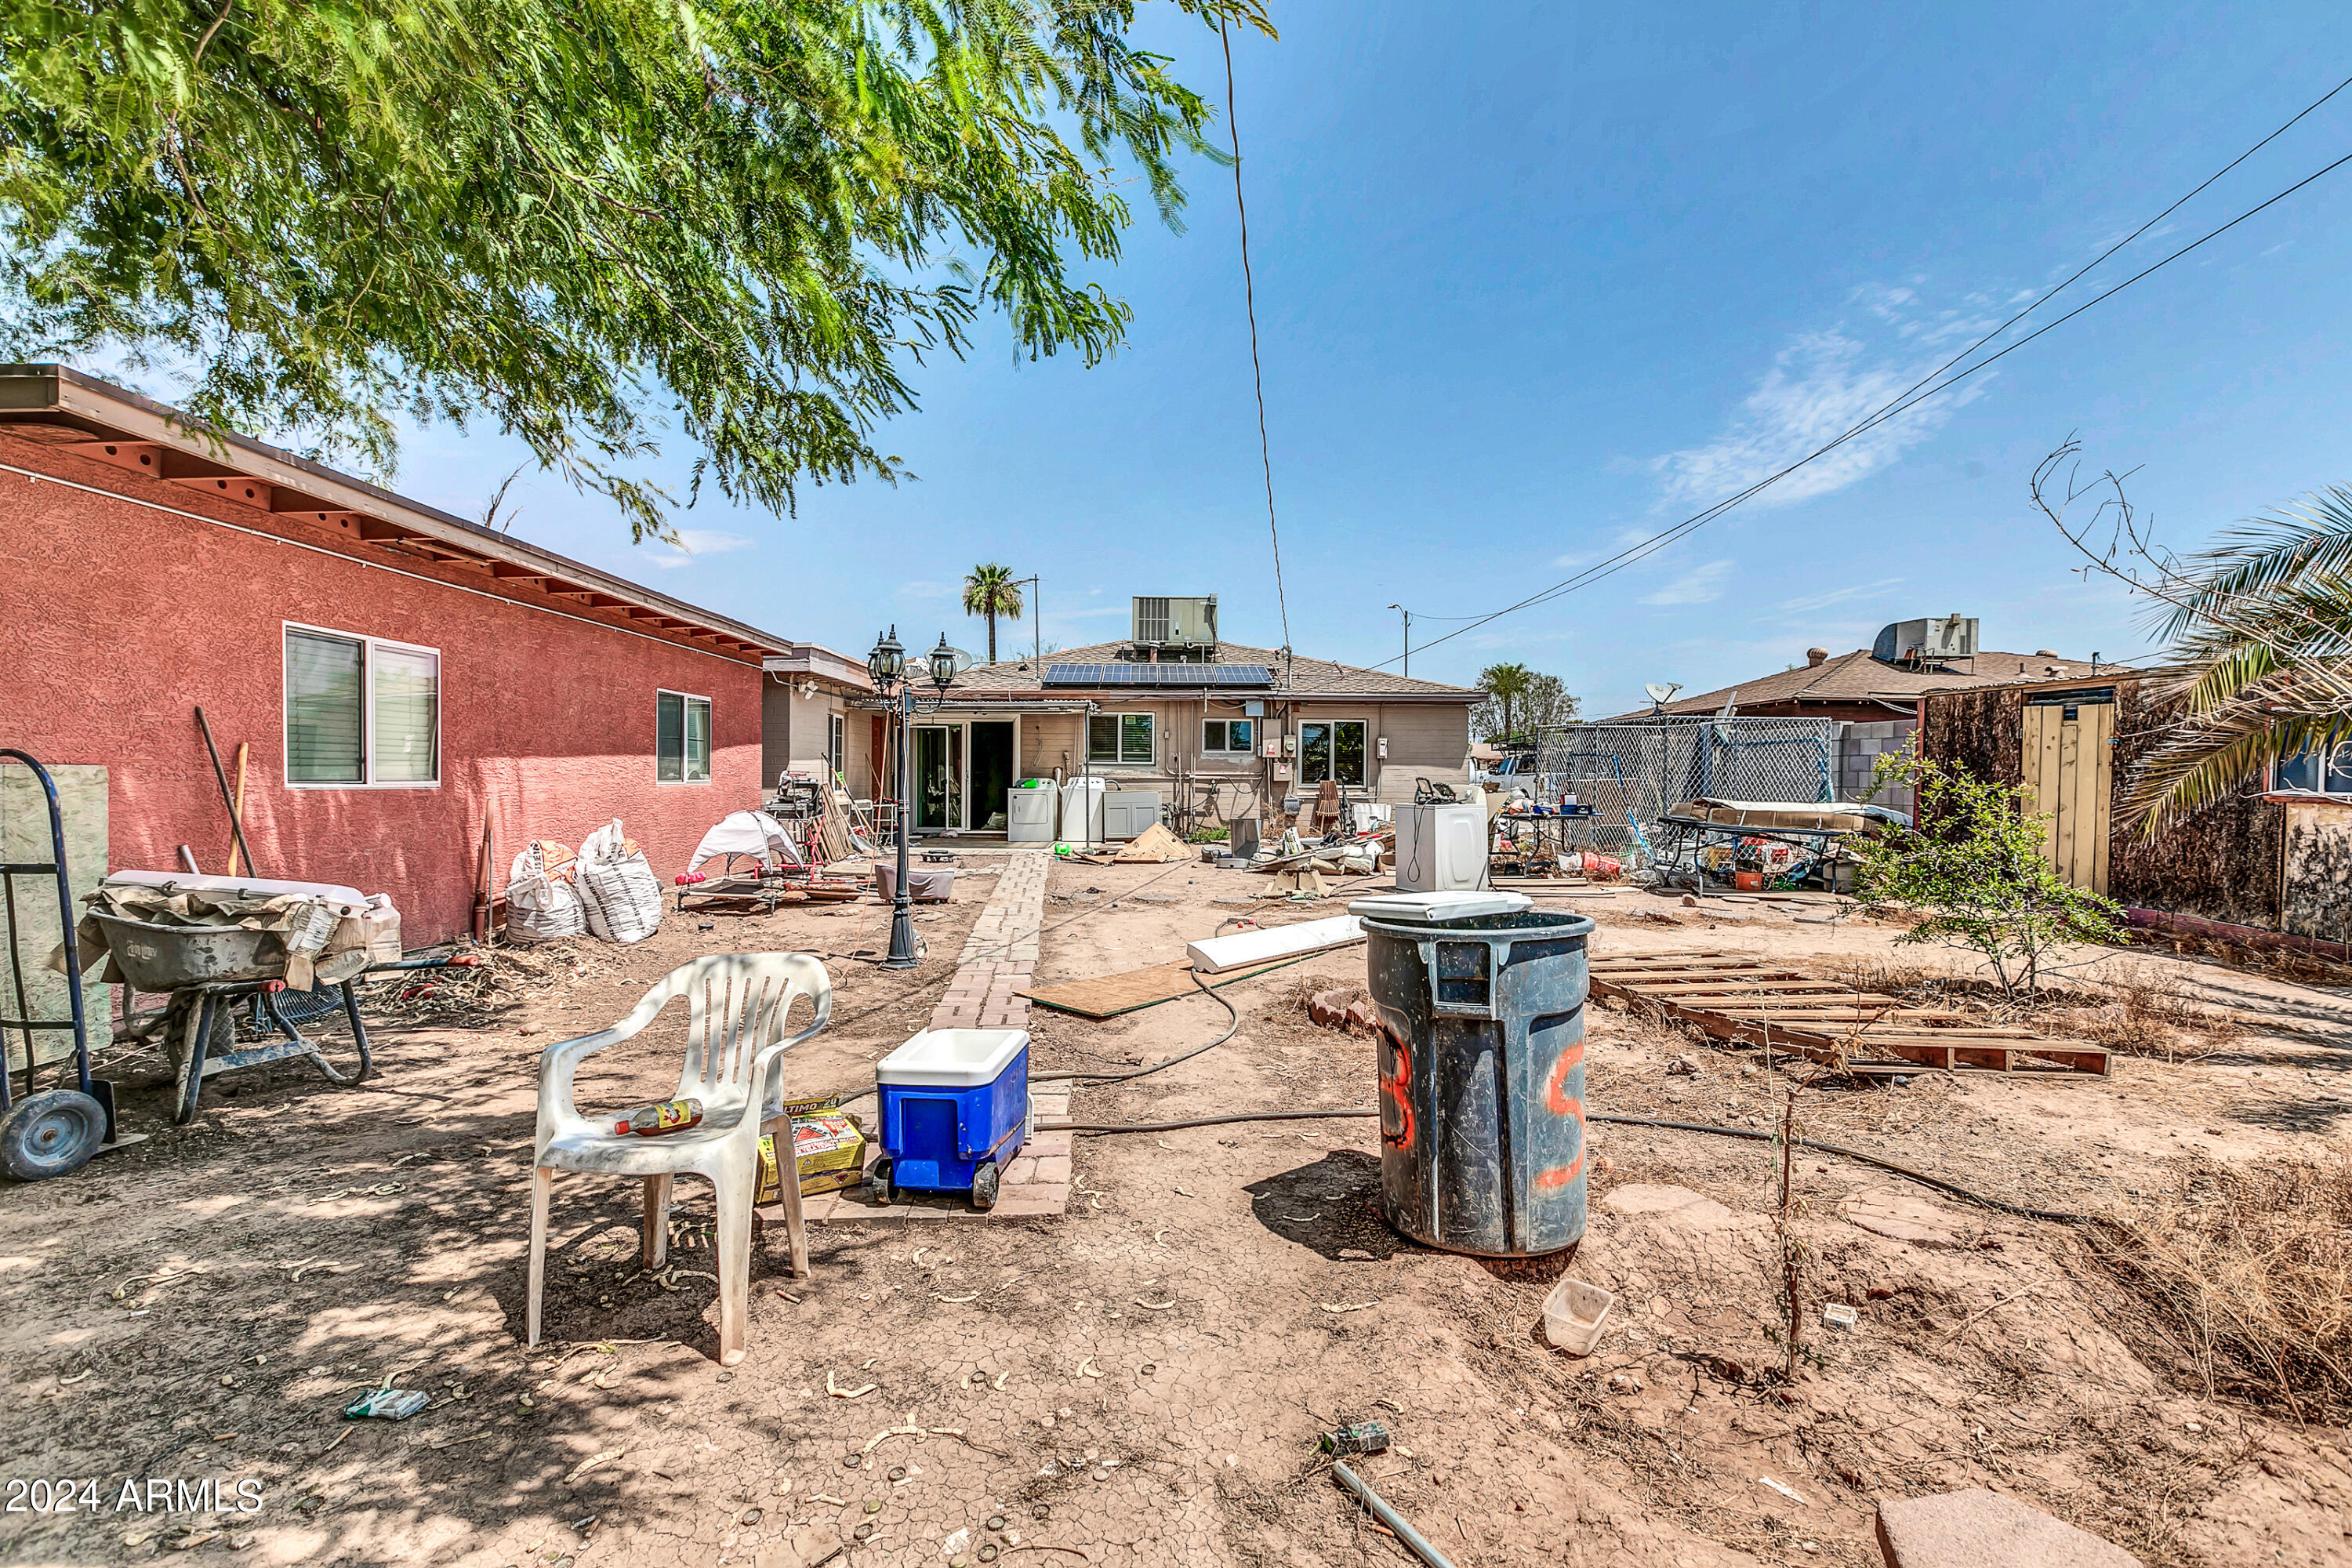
{"x": 210, "y": 971}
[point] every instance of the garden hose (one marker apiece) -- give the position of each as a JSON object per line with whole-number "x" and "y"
{"x": 1940, "y": 1183}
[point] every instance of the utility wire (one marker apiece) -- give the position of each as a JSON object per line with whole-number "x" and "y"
{"x": 1930, "y": 384}
{"x": 1249, "y": 301}
{"x": 1658, "y": 541}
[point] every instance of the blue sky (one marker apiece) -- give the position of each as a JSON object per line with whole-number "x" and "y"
{"x": 1532, "y": 282}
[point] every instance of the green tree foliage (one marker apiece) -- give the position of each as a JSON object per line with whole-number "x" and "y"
{"x": 1504, "y": 684}
{"x": 584, "y": 220}
{"x": 1526, "y": 700}
{"x": 1974, "y": 869}
{"x": 991, "y": 591}
{"x": 2259, "y": 628}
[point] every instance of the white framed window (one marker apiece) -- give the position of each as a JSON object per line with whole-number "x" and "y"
{"x": 2308, "y": 772}
{"x": 681, "y": 737}
{"x": 1333, "y": 749}
{"x": 1227, "y": 737}
{"x": 362, "y": 712}
{"x": 836, "y": 745}
{"x": 1121, "y": 738}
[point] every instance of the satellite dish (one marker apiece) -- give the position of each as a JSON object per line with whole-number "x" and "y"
{"x": 963, "y": 660}
{"x": 1662, "y": 691}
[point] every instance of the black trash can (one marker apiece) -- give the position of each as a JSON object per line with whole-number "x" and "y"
{"x": 1482, "y": 1071}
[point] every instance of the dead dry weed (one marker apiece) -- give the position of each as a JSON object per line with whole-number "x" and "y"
{"x": 2150, "y": 1011}
{"x": 2137, "y": 1009}
{"x": 2249, "y": 1269}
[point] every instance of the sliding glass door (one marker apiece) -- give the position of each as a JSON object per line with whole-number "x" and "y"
{"x": 938, "y": 777}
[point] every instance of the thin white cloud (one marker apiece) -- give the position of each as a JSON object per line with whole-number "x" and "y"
{"x": 1098, "y": 610}
{"x": 1700, "y": 586}
{"x": 1624, "y": 539}
{"x": 694, "y": 543}
{"x": 1820, "y": 387}
{"x": 920, "y": 589}
{"x": 1840, "y": 595}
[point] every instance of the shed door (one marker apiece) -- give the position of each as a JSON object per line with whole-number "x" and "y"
{"x": 2069, "y": 777}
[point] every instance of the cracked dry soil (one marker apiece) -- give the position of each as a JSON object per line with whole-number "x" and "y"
{"x": 1142, "y": 1379}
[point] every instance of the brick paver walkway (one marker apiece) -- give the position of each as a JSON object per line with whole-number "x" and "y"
{"x": 994, "y": 966}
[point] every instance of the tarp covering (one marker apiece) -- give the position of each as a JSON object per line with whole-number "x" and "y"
{"x": 746, "y": 833}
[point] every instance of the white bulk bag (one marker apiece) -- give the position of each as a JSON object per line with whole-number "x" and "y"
{"x": 623, "y": 899}
{"x": 540, "y": 906}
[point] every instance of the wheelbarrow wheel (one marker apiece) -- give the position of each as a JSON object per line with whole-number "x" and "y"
{"x": 53, "y": 1134}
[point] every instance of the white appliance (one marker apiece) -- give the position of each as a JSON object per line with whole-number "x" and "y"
{"x": 1128, "y": 813}
{"x": 1441, "y": 848}
{"x": 1081, "y": 812}
{"x": 1176, "y": 623}
{"x": 1030, "y": 814}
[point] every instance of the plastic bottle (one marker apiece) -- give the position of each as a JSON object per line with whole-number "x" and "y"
{"x": 670, "y": 1116}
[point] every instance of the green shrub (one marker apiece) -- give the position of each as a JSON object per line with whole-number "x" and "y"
{"x": 1974, "y": 869}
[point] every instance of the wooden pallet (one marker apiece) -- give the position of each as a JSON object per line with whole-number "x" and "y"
{"x": 1741, "y": 1000}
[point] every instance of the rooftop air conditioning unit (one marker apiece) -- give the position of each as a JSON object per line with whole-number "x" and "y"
{"x": 1176, "y": 623}
{"x": 1928, "y": 641}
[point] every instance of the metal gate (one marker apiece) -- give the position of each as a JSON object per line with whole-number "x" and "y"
{"x": 1631, "y": 773}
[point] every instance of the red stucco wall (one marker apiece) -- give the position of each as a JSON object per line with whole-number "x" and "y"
{"x": 118, "y": 619}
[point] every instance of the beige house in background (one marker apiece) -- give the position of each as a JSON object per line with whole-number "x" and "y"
{"x": 1225, "y": 733}
{"x": 805, "y": 716}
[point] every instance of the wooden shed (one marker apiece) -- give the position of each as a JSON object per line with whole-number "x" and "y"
{"x": 2272, "y": 859}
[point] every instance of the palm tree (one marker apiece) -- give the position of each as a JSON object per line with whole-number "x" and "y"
{"x": 1505, "y": 683}
{"x": 991, "y": 591}
{"x": 2261, "y": 629}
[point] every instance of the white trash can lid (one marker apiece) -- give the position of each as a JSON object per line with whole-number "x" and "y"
{"x": 1433, "y": 909}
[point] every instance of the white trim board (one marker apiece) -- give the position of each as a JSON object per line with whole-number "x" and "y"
{"x": 1215, "y": 955}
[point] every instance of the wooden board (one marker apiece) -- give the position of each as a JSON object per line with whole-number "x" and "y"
{"x": 1735, "y": 998}
{"x": 1263, "y": 944}
{"x": 2068, "y": 767}
{"x": 1108, "y": 995}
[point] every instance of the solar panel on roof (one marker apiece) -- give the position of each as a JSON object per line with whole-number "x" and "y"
{"x": 1159, "y": 675}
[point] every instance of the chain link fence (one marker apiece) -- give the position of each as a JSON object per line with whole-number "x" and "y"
{"x": 1630, "y": 773}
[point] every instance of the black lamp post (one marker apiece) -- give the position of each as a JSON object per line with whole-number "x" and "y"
{"x": 887, "y": 667}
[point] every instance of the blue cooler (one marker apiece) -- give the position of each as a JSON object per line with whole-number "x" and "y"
{"x": 954, "y": 1110}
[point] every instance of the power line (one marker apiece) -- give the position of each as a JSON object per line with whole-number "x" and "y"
{"x": 1922, "y": 389}
{"x": 1249, "y": 301}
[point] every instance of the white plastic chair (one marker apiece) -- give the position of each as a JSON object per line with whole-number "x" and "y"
{"x": 737, "y": 1004}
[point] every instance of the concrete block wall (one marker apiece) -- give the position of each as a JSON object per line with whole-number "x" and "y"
{"x": 1860, "y": 745}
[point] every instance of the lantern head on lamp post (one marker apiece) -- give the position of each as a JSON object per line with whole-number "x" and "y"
{"x": 943, "y": 664}
{"x": 888, "y": 662}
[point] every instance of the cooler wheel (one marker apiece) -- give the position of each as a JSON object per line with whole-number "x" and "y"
{"x": 984, "y": 1188}
{"x": 877, "y": 1183}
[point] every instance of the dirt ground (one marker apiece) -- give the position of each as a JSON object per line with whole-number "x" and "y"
{"x": 1142, "y": 1380}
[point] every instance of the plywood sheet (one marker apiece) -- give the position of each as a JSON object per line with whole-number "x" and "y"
{"x": 24, "y": 838}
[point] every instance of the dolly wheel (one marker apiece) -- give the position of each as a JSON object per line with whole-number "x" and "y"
{"x": 877, "y": 1183}
{"x": 51, "y": 1134}
{"x": 984, "y": 1188}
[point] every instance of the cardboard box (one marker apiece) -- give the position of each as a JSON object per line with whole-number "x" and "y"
{"x": 828, "y": 1145}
